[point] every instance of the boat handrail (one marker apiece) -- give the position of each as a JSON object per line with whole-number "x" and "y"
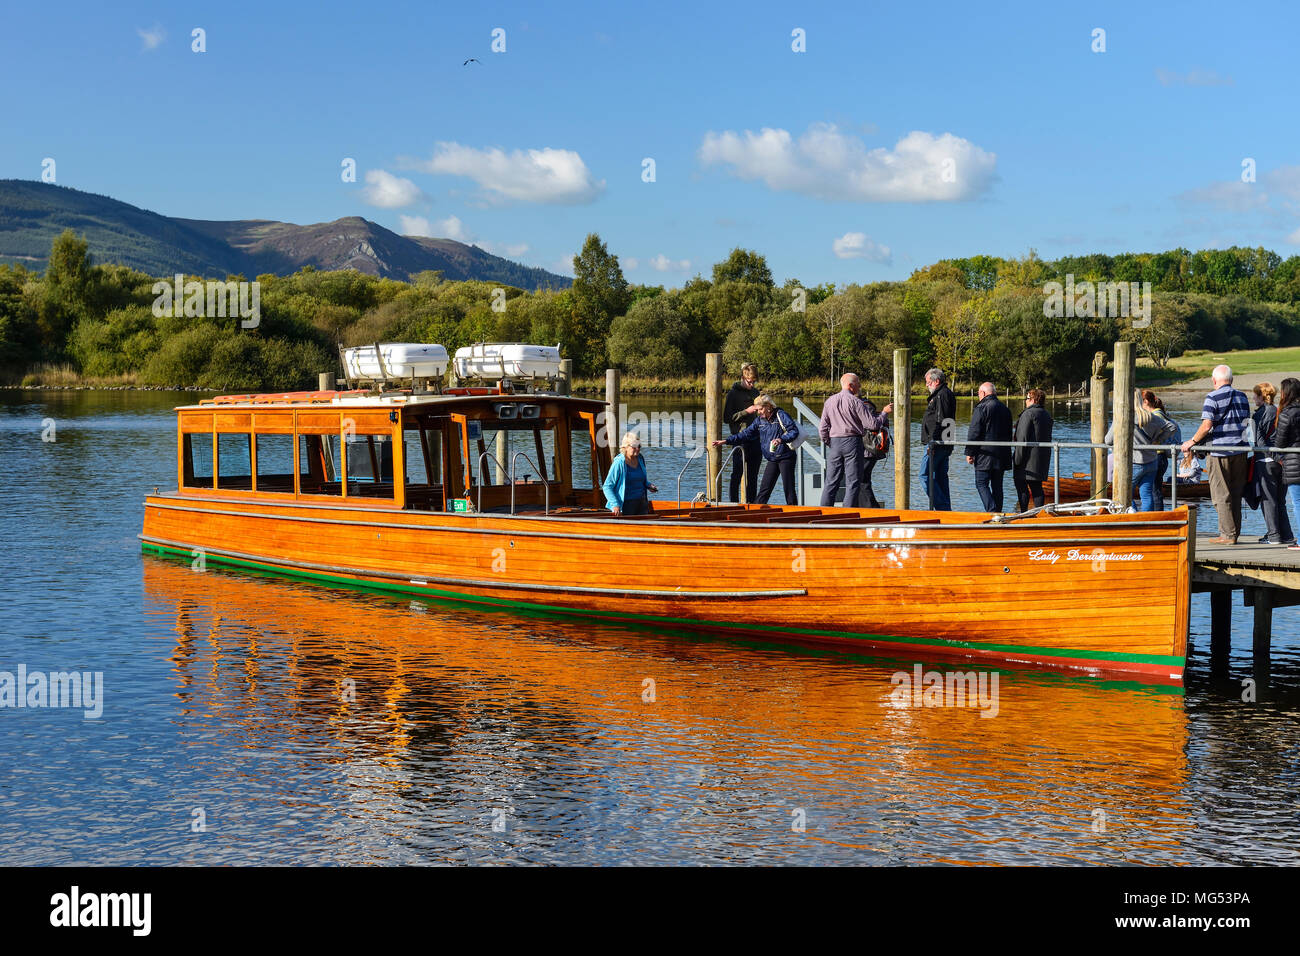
{"x": 699, "y": 449}
{"x": 478, "y": 470}
{"x": 546, "y": 485}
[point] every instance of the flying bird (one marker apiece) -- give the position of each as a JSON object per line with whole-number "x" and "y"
{"x": 472, "y": 59}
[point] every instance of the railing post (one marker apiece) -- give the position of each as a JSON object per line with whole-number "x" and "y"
{"x": 902, "y": 428}
{"x": 1056, "y": 467}
{"x": 1122, "y": 486}
{"x": 713, "y": 419}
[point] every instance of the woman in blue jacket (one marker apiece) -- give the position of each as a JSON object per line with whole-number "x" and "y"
{"x": 775, "y": 430}
{"x": 626, "y": 486}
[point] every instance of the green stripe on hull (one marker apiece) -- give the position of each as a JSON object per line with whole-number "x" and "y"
{"x": 1162, "y": 660}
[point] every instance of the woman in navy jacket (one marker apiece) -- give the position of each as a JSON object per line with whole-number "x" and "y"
{"x": 775, "y": 430}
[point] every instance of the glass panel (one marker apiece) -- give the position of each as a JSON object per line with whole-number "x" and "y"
{"x": 275, "y": 463}
{"x": 503, "y": 440}
{"x": 580, "y": 455}
{"x": 234, "y": 464}
{"x": 198, "y": 452}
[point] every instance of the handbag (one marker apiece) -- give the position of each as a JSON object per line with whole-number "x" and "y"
{"x": 878, "y": 442}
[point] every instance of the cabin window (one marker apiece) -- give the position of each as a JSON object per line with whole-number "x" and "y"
{"x": 318, "y": 465}
{"x": 370, "y": 465}
{"x": 234, "y": 461}
{"x": 197, "y": 460}
{"x": 275, "y": 463}
{"x": 583, "y": 461}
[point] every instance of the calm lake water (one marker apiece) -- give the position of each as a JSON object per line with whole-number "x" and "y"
{"x": 253, "y": 720}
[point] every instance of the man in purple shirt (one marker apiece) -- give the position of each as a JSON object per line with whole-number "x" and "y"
{"x": 845, "y": 420}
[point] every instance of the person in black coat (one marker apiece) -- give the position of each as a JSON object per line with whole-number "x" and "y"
{"x": 1267, "y": 484}
{"x": 1288, "y": 436}
{"x": 939, "y": 425}
{"x": 738, "y": 412}
{"x": 867, "y": 494}
{"x": 990, "y": 420}
{"x": 1032, "y": 466}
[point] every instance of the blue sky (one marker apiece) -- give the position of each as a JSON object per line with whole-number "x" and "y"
{"x": 831, "y": 162}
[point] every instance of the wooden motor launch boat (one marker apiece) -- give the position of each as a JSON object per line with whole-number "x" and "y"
{"x": 496, "y": 499}
{"x": 1079, "y": 488}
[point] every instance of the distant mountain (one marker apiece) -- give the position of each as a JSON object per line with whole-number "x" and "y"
{"x": 32, "y": 214}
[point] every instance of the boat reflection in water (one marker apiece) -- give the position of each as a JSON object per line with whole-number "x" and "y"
{"x": 353, "y": 727}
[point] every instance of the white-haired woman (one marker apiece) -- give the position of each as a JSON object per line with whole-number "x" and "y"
{"x": 627, "y": 486}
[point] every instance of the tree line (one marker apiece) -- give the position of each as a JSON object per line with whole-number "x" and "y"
{"x": 977, "y": 318}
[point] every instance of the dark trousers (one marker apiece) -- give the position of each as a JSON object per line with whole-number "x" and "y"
{"x": 989, "y": 485}
{"x": 747, "y": 457}
{"x": 639, "y": 506}
{"x": 1027, "y": 491}
{"x": 1273, "y": 504}
{"x": 785, "y": 468}
{"x": 843, "y": 466}
{"x": 934, "y": 476}
{"x": 867, "y": 496}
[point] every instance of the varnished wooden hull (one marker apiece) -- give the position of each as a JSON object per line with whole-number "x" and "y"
{"x": 1107, "y": 594}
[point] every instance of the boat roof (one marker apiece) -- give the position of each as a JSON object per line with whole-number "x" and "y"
{"x": 368, "y": 399}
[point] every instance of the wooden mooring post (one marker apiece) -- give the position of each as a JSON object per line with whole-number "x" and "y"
{"x": 713, "y": 419}
{"x": 566, "y": 376}
{"x": 1097, "y": 401}
{"x": 612, "y": 434}
{"x": 1122, "y": 485}
{"x": 902, "y": 428}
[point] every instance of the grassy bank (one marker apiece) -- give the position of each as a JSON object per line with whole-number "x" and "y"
{"x": 1198, "y": 364}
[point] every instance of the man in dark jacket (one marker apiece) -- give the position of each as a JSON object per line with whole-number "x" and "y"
{"x": 738, "y": 412}
{"x": 990, "y": 420}
{"x": 1032, "y": 466}
{"x": 938, "y": 425}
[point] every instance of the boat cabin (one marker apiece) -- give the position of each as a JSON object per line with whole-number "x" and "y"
{"x": 470, "y": 449}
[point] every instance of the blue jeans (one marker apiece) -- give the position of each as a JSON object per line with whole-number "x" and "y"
{"x": 1144, "y": 477}
{"x": 1293, "y": 492}
{"x": 934, "y": 476}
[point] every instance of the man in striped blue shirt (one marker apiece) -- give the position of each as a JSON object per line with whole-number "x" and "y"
{"x": 1223, "y": 419}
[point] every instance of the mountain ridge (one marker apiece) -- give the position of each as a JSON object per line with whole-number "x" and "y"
{"x": 32, "y": 214}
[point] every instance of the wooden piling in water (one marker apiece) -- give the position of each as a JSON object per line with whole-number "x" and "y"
{"x": 325, "y": 381}
{"x": 902, "y": 428}
{"x": 1122, "y": 485}
{"x": 611, "y": 408}
{"x": 713, "y": 418}
{"x": 1097, "y": 401}
{"x": 566, "y": 376}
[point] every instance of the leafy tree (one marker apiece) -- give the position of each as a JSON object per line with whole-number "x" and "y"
{"x": 650, "y": 340}
{"x": 600, "y": 292}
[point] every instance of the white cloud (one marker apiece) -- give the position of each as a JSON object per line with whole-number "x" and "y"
{"x": 152, "y": 38}
{"x": 563, "y": 265}
{"x": 858, "y": 245}
{"x": 416, "y": 226}
{"x": 629, "y": 262}
{"x": 535, "y": 175}
{"x": 387, "y": 191}
{"x": 661, "y": 263}
{"x": 1285, "y": 179}
{"x": 829, "y": 164}
{"x": 1294, "y": 238}
{"x": 1193, "y": 78}
{"x": 511, "y": 250}
{"x": 1232, "y": 195}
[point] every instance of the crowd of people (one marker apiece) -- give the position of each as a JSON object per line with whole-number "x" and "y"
{"x": 855, "y": 437}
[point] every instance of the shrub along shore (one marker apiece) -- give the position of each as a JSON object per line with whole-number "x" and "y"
{"x": 82, "y": 324}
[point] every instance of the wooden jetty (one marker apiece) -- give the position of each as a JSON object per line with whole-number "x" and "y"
{"x": 1268, "y": 577}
